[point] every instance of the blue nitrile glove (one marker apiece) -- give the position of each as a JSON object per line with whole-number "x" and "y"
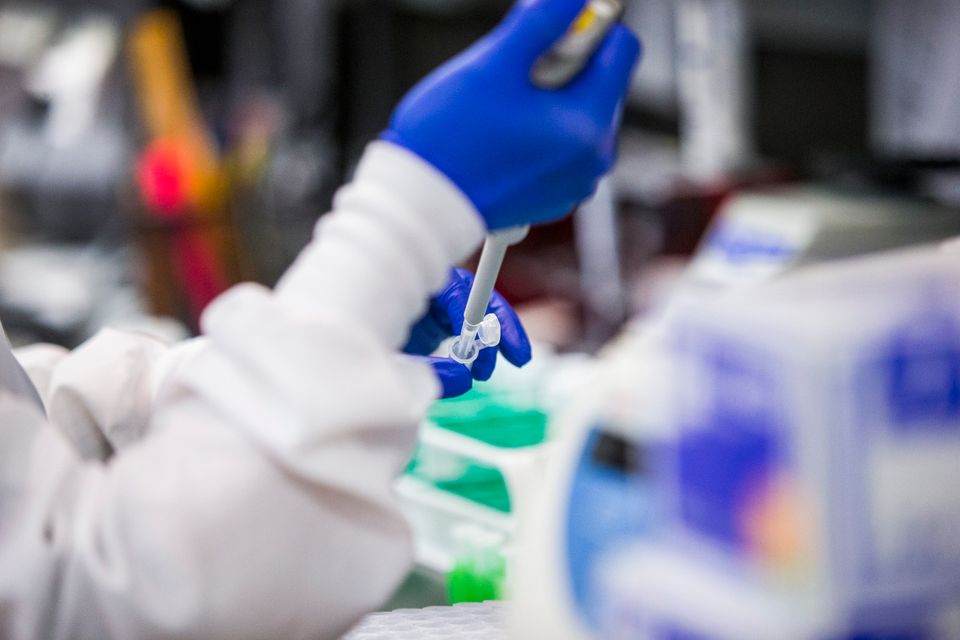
{"x": 444, "y": 318}
{"x": 521, "y": 154}
{"x": 454, "y": 378}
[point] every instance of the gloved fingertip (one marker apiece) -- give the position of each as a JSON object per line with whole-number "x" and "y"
{"x": 484, "y": 365}
{"x": 619, "y": 56}
{"x": 454, "y": 378}
{"x": 514, "y": 344}
{"x": 518, "y": 354}
{"x": 626, "y": 38}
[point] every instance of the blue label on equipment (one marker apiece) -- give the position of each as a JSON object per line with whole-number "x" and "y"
{"x": 748, "y": 245}
{"x": 726, "y": 455}
{"x": 923, "y": 389}
{"x": 896, "y": 518}
{"x": 608, "y": 504}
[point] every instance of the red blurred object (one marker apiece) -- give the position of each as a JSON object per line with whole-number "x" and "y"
{"x": 163, "y": 174}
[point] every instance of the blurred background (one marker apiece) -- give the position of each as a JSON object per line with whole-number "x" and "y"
{"x": 152, "y": 153}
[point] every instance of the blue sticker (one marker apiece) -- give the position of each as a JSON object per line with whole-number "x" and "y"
{"x": 608, "y": 504}
{"x": 740, "y": 245}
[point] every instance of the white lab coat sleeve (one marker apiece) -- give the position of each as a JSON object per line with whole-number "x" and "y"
{"x": 259, "y": 504}
{"x": 101, "y": 395}
{"x": 39, "y": 362}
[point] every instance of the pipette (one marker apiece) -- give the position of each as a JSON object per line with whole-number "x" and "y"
{"x": 569, "y": 55}
{"x": 481, "y": 330}
{"x": 554, "y": 69}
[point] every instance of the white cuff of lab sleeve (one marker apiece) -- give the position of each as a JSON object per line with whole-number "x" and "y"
{"x": 425, "y": 190}
{"x": 389, "y": 242}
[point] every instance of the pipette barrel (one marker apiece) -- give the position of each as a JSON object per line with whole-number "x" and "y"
{"x": 491, "y": 259}
{"x": 567, "y": 57}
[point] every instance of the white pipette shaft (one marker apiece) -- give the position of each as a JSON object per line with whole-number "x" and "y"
{"x": 491, "y": 259}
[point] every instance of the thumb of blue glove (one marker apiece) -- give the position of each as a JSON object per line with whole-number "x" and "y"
{"x": 521, "y": 154}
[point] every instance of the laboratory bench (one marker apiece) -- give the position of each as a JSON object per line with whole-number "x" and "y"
{"x": 465, "y": 621}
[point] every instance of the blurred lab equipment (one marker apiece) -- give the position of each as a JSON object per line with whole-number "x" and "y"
{"x": 609, "y": 483}
{"x": 592, "y": 495}
{"x": 181, "y": 177}
{"x": 599, "y": 258}
{"x": 782, "y": 483}
{"x": 759, "y": 235}
{"x": 713, "y": 76}
{"x": 915, "y": 98}
{"x": 479, "y": 459}
{"x": 835, "y": 408}
{"x": 63, "y": 151}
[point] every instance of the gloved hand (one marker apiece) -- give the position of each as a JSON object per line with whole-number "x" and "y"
{"x": 521, "y": 154}
{"x": 444, "y": 318}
